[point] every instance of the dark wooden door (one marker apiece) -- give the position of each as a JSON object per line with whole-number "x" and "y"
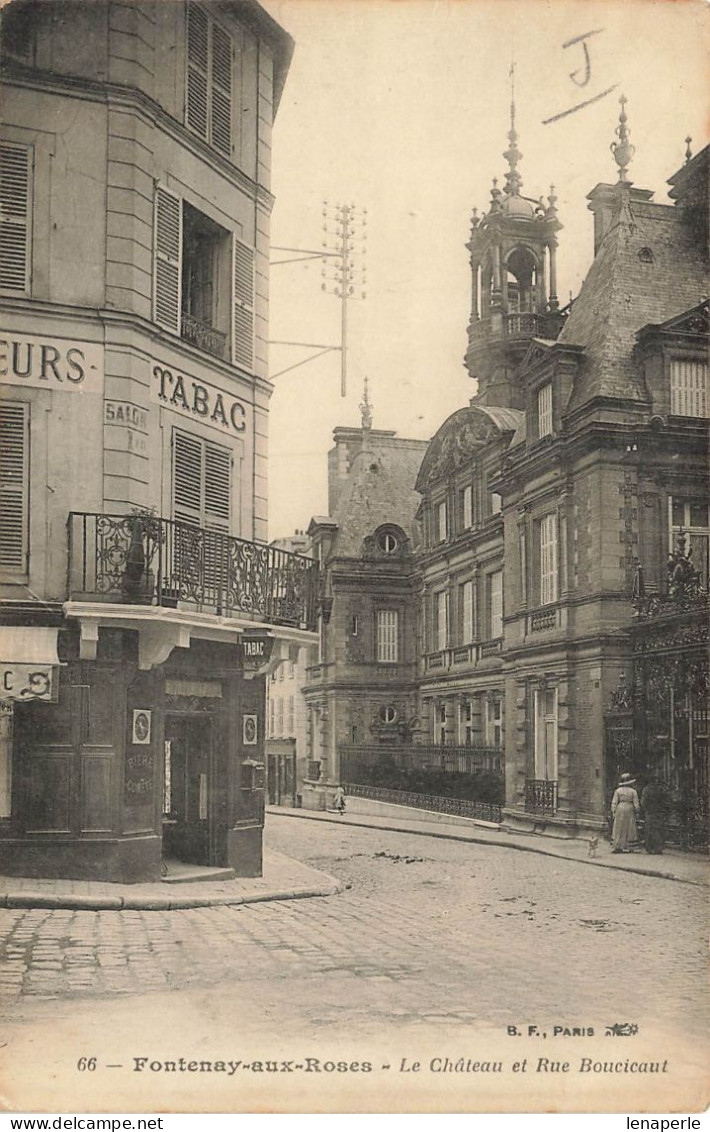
{"x": 189, "y": 749}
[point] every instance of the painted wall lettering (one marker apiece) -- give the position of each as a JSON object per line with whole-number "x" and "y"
{"x": 198, "y": 400}
{"x": 50, "y": 363}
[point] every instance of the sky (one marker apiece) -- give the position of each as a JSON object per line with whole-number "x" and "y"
{"x": 401, "y": 107}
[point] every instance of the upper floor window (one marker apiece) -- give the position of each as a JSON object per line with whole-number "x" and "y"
{"x": 544, "y": 410}
{"x": 441, "y": 614}
{"x": 14, "y": 490}
{"x": 202, "y": 482}
{"x": 466, "y": 602}
{"x": 387, "y": 636}
{"x": 208, "y": 103}
{"x": 441, "y": 521}
{"x": 15, "y": 217}
{"x": 547, "y": 530}
{"x": 203, "y": 281}
{"x": 495, "y": 503}
{"x": 494, "y": 604}
{"x": 689, "y": 388}
{"x": 467, "y": 507}
{"x": 691, "y": 517}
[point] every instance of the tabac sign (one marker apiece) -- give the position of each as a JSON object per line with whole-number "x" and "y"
{"x": 256, "y": 652}
{"x": 198, "y": 400}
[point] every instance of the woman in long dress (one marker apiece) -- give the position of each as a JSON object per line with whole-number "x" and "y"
{"x": 624, "y": 808}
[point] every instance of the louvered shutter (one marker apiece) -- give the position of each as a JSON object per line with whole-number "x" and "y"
{"x": 197, "y": 69}
{"x": 221, "y": 108}
{"x": 14, "y": 483}
{"x": 243, "y": 305}
{"x": 167, "y": 260}
{"x": 218, "y": 486}
{"x": 14, "y": 217}
{"x": 689, "y": 388}
{"x": 187, "y": 478}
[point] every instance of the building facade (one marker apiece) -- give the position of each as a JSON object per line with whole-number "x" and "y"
{"x": 551, "y": 501}
{"x": 138, "y": 598}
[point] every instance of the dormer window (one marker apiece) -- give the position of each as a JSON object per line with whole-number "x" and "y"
{"x": 387, "y": 542}
{"x": 689, "y": 388}
{"x": 544, "y": 410}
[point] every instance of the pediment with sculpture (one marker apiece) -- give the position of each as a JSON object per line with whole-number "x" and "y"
{"x": 457, "y": 442}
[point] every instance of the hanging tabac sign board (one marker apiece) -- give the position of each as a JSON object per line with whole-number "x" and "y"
{"x": 256, "y": 651}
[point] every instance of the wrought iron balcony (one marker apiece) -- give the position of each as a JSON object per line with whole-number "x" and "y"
{"x": 540, "y": 796}
{"x": 145, "y": 559}
{"x": 203, "y": 335}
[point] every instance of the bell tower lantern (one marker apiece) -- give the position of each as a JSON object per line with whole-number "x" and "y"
{"x": 513, "y": 251}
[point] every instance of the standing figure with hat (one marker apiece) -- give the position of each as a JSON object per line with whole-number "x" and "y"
{"x": 624, "y": 809}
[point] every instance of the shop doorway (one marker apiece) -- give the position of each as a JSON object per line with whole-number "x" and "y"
{"x": 188, "y": 780}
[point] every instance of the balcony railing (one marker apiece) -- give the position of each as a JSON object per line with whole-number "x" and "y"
{"x": 540, "y": 796}
{"x": 202, "y": 335}
{"x": 522, "y": 324}
{"x": 461, "y": 807}
{"x": 145, "y": 559}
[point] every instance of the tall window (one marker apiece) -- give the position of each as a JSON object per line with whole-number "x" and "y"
{"x": 14, "y": 490}
{"x": 689, "y": 388}
{"x": 202, "y": 481}
{"x": 544, "y": 410}
{"x": 441, "y": 522}
{"x": 203, "y": 281}
{"x": 691, "y": 517}
{"x": 15, "y": 217}
{"x": 280, "y": 716}
{"x": 467, "y": 507}
{"x": 548, "y": 559}
{"x": 466, "y": 606}
{"x": 494, "y": 604}
{"x": 465, "y": 723}
{"x": 545, "y": 733}
{"x": 441, "y": 612}
{"x": 440, "y": 725}
{"x": 387, "y": 629}
{"x": 494, "y": 721}
{"x": 208, "y": 103}
{"x": 290, "y": 716}
{"x": 272, "y": 715}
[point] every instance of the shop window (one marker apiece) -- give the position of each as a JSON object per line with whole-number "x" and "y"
{"x": 544, "y": 410}
{"x": 545, "y": 733}
{"x": 494, "y": 604}
{"x": 15, "y": 217}
{"x": 387, "y": 634}
{"x": 203, "y": 281}
{"x": 14, "y": 490}
{"x": 208, "y": 103}
{"x": 689, "y": 388}
{"x": 690, "y": 517}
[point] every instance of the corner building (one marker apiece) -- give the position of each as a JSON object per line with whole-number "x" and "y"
{"x": 139, "y": 602}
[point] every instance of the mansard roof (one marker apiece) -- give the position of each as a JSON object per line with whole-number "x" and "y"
{"x": 649, "y": 268}
{"x": 461, "y": 438}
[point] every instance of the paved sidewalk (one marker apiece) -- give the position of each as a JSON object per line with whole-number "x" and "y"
{"x": 675, "y": 865}
{"x": 283, "y": 879}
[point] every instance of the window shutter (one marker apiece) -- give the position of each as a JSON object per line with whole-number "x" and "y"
{"x": 221, "y": 108}
{"x": 548, "y": 559}
{"x": 197, "y": 69}
{"x": 218, "y": 486}
{"x": 14, "y": 217}
{"x": 243, "y": 306}
{"x": 14, "y": 496}
{"x": 167, "y": 260}
{"x": 187, "y": 478}
{"x": 689, "y": 388}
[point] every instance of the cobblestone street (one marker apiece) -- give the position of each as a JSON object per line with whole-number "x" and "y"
{"x": 432, "y": 930}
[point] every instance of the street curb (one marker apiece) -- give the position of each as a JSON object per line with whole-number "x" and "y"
{"x": 82, "y": 903}
{"x": 471, "y": 839}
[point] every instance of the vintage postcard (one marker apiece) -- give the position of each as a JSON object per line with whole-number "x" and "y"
{"x": 354, "y": 553}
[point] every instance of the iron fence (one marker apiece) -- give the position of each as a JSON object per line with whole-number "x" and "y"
{"x": 460, "y": 807}
{"x": 145, "y": 559}
{"x": 415, "y": 756}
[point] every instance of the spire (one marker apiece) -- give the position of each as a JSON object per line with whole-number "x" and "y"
{"x": 366, "y": 409}
{"x": 622, "y": 149}
{"x": 512, "y": 155}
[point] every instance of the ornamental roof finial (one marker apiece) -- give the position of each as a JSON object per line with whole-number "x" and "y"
{"x": 688, "y": 150}
{"x": 622, "y": 149}
{"x": 512, "y": 155}
{"x": 366, "y": 408}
